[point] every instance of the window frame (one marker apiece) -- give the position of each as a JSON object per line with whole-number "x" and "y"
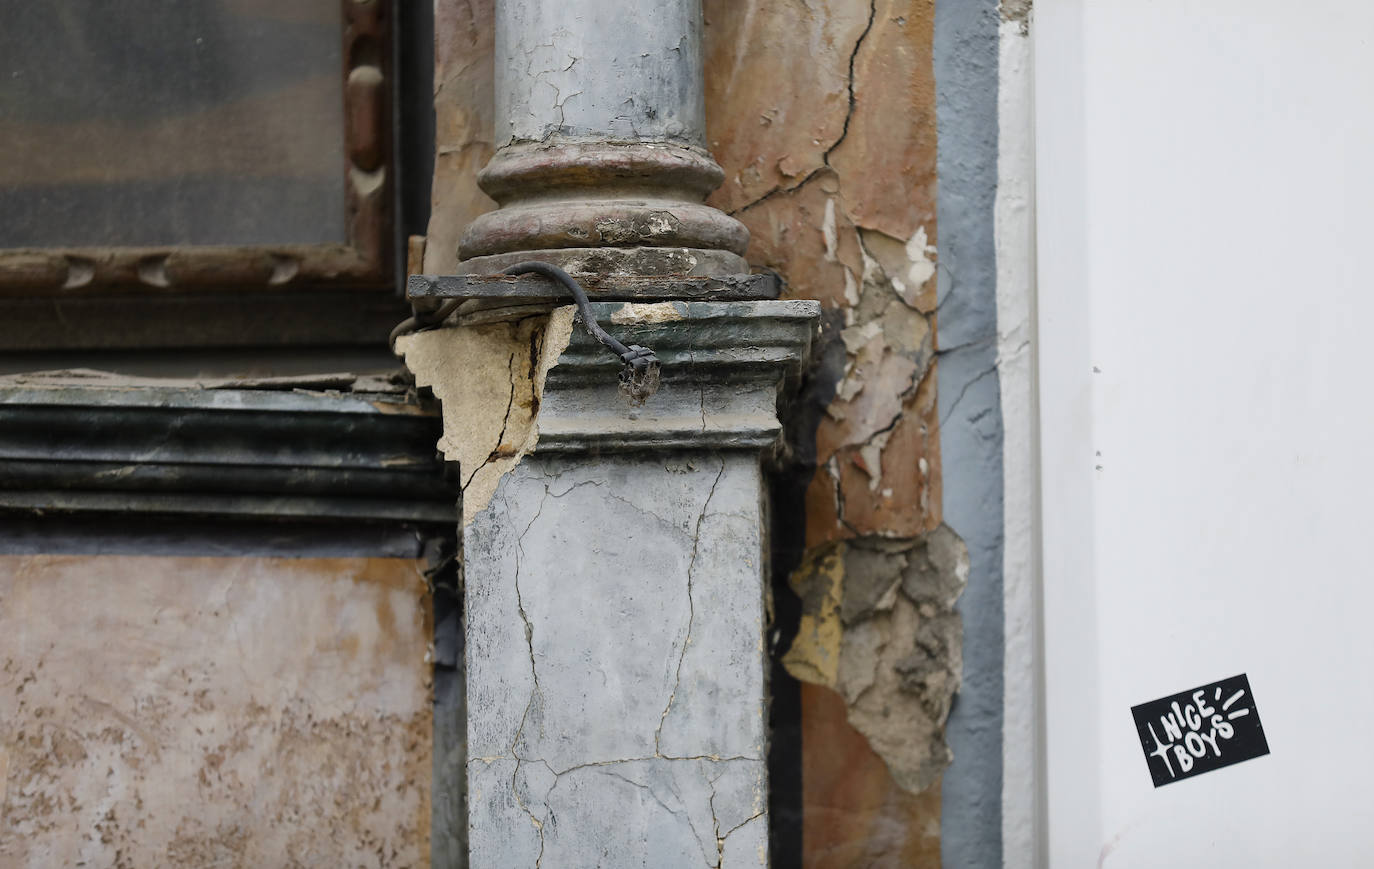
{"x": 366, "y": 259}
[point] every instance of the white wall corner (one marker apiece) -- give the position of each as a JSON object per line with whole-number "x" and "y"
{"x": 1014, "y": 228}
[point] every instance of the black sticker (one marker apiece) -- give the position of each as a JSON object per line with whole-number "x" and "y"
{"x": 1197, "y": 731}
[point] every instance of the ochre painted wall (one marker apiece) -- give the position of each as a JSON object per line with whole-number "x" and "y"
{"x": 822, "y": 114}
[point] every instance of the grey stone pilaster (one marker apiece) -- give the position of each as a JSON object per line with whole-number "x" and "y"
{"x": 615, "y": 604}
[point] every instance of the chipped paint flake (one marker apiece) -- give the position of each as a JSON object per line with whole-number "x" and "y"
{"x": 829, "y": 232}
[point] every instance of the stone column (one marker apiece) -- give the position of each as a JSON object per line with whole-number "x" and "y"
{"x": 615, "y": 594}
{"x": 614, "y": 550}
{"x": 601, "y": 120}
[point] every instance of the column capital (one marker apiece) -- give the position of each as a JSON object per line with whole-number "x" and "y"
{"x": 725, "y": 366}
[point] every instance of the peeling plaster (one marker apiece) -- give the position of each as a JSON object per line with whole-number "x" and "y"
{"x": 830, "y": 158}
{"x": 489, "y": 380}
{"x": 844, "y": 209}
{"x": 823, "y": 119}
{"x": 555, "y": 775}
{"x": 1017, "y": 12}
{"x": 878, "y": 626}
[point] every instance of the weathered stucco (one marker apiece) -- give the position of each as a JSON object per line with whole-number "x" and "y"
{"x": 860, "y": 819}
{"x": 838, "y": 199}
{"x": 822, "y": 115}
{"x": 878, "y": 626}
{"x": 831, "y": 165}
{"x": 464, "y": 107}
{"x": 616, "y": 669}
{"x": 841, "y": 202}
{"x": 489, "y": 380}
{"x": 178, "y": 711}
{"x": 614, "y": 582}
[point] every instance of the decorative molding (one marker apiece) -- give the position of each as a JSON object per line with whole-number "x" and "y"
{"x": 725, "y": 366}
{"x": 225, "y": 318}
{"x": 365, "y": 260}
{"x": 123, "y": 447}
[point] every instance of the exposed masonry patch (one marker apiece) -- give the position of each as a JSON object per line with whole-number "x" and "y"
{"x": 879, "y": 627}
{"x": 489, "y": 380}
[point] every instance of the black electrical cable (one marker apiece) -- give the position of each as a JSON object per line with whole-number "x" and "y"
{"x": 639, "y": 378}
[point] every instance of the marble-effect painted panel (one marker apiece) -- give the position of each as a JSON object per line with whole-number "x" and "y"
{"x": 213, "y": 711}
{"x": 615, "y": 609}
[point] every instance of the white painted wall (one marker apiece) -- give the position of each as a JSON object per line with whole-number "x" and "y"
{"x": 1014, "y": 234}
{"x": 1205, "y": 208}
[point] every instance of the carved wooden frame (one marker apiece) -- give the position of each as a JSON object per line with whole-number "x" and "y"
{"x": 365, "y": 260}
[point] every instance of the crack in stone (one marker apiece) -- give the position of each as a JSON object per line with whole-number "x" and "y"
{"x": 550, "y": 492}
{"x": 978, "y": 342}
{"x": 782, "y": 191}
{"x": 505, "y": 421}
{"x": 650, "y": 791}
{"x": 534, "y": 673}
{"x": 715, "y": 821}
{"x": 557, "y": 495}
{"x": 646, "y": 511}
{"x": 713, "y": 758}
{"x": 529, "y": 626}
{"x": 538, "y": 824}
{"x": 672, "y": 785}
{"x": 720, "y": 842}
{"x": 670, "y": 758}
{"x": 691, "y": 608}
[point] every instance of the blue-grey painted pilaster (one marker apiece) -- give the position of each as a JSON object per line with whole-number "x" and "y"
{"x": 965, "y": 57}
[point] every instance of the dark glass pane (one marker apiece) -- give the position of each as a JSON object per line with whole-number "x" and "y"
{"x": 161, "y": 122}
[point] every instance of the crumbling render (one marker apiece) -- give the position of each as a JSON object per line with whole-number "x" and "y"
{"x": 878, "y": 626}
{"x": 489, "y": 379}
